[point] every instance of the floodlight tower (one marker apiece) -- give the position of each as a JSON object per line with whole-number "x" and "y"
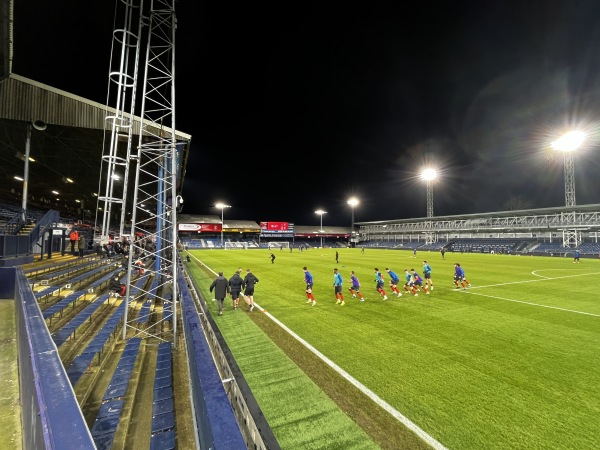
{"x": 567, "y": 144}
{"x": 222, "y": 207}
{"x": 429, "y": 175}
{"x": 321, "y": 212}
{"x": 353, "y": 202}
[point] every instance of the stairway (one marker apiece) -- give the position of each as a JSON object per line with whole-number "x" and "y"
{"x": 26, "y": 229}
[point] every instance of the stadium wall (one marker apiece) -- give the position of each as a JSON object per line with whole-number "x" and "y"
{"x": 51, "y": 417}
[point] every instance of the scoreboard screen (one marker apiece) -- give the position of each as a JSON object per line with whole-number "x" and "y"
{"x": 277, "y": 229}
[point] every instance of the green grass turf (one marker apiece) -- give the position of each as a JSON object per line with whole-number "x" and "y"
{"x": 513, "y": 362}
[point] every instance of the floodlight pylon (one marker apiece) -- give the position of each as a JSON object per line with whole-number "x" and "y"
{"x": 154, "y": 216}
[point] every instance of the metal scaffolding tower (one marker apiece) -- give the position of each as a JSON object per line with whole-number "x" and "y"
{"x": 569, "y": 179}
{"x": 154, "y": 218}
{"x": 114, "y": 174}
{"x": 147, "y": 159}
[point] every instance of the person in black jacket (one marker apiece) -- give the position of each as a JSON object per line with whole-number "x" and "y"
{"x": 272, "y": 258}
{"x": 236, "y": 284}
{"x": 221, "y": 287}
{"x": 249, "y": 281}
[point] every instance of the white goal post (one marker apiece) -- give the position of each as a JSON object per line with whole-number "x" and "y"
{"x": 282, "y": 244}
{"x": 236, "y": 245}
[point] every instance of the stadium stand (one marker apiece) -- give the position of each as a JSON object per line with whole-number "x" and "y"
{"x": 59, "y": 306}
{"x": 61, "y": 336}
{"x": 107, "y": 419}
{"x": 163, "y": 418}
{"x": 85, "y": 359}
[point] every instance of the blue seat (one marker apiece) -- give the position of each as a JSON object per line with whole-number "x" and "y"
{"x": 163, "y": 393}
{"x": 104, "y": 441}
{"x": 110, "y": 408}
{"x": 162, "y": 406}
{"x": 104, "y": 425}
{"x": 163, "y": 441}
{"x": 163, "y": 382}
{"x": 163, "y": 422}
{"x": 115, "y": 392}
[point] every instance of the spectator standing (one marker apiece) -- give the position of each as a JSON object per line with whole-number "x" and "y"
{"x": 355, "y": 288}
{"x": 82, "y": 245}
{"x": 379, "y": 282}
{"x": 221, "y": 288}
{"x": 249, "y": 281}
{"x": 394, "y": 280}
{"x": 427, "y": 275}
{"x": 73, "y": 238}
{"x": 337, "y": 287}
{"x": 308, "y": 279}
{"x": 236, "y": 284}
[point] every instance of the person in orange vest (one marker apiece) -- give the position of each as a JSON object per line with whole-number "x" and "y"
{"x": 73, "y": 237}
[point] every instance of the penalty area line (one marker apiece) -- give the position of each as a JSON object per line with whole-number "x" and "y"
{"x": 365, "y": 390}
{"x": 533, "y": 304}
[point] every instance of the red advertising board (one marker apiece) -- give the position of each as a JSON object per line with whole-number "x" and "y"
{"x": 199, "y": 227}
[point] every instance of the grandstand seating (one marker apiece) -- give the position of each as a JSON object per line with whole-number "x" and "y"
{"x": 61, "y": 336}
{"x": 59, "y": 306}
{"x": 83, "y": 361}
{"x": 107, "y": 419}
{"x": 163, "y": 416}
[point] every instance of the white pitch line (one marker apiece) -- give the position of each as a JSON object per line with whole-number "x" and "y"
{"x": 365, "y": 390}
{"x": 537, "y": 280}
{"x": 534, "y": 304}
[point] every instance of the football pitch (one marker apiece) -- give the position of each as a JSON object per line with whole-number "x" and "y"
{"x": 513, "y": 362}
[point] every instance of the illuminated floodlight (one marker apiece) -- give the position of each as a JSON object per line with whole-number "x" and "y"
{"x": 569, "y": 142}
{"x": 320, "y": 212}
{"x": 429, "y": 174}
{"x": 353, "y": 202}
{"x": 222, "y": 207}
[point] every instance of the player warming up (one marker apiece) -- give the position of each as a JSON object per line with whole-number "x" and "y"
{"x": 459, "y": 277}
{"x": 418, "y": 282}
{"x": 337, "y": 287}
{"x": 379, "y": 282}
{"x": 355, "y": 288}
{"x": 394, "y": 280}
{"x": 308, "y": 279}
{"x": 427, "y": 275}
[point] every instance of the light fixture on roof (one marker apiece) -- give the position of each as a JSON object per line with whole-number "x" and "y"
{"x": 55, "y": 192}
{"x": 18, "y": 178}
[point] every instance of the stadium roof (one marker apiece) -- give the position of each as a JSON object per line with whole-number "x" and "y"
{"x": 67, "y": 154}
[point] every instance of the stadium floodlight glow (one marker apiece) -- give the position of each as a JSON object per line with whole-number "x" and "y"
{"x": 222, "y": 207}
{"x": 353, "y": 202}
{"x": 568, "y": 143}
{"x": 429, "y": 175}
{"x": 321, "y": 212}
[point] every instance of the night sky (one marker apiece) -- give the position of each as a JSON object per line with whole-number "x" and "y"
{"x": 297, "y": 107}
